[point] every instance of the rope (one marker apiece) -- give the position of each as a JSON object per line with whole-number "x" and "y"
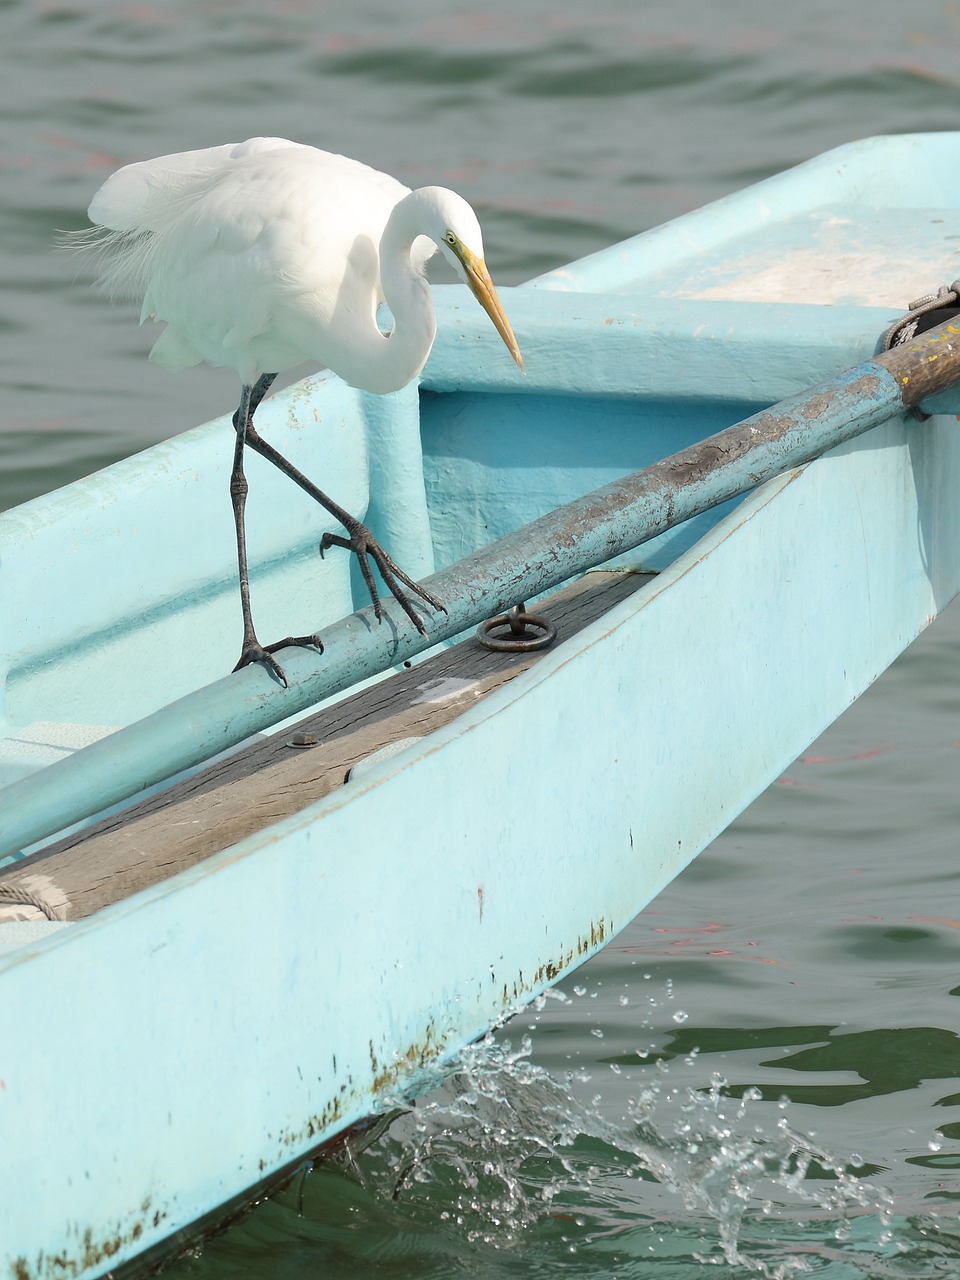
{"x": 918, "y": 318}
{"x": 15, "y": 896}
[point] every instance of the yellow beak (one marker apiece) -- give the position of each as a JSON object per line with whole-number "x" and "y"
{"x": 481, "y": 286}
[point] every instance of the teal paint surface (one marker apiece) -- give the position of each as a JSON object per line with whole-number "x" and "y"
{"x": 587, "y": 533}
{"x": 264, "y": 922}
{"x": 764, "y": 630}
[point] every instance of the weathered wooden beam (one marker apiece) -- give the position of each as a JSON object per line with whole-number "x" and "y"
{"x": 280, "y": 775}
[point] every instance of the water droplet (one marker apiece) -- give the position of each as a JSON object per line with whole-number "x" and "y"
{"x": 680, "y": 1016}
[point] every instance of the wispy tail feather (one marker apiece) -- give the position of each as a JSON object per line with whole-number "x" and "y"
{"x": 121, "y": 261}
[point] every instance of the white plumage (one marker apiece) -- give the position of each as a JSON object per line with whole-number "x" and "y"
{"x": 263, "y": 254}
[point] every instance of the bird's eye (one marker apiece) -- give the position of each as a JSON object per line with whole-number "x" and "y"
{"x": 451, "y": 239}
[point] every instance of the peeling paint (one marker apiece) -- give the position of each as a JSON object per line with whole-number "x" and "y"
{"x": 417, "y": 1055}
{"x": 310, "y": 1139}
{"x": 91, "y": 1253}
{"x": 313, "y": 1127}
{"x": 551, "y": 970}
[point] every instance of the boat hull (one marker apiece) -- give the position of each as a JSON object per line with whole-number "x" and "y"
{"x": 188, "y": 1044}
{"x": 300, "y": 956}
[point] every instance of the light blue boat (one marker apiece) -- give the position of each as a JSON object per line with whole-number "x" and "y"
{"x": 168, "y": 1055}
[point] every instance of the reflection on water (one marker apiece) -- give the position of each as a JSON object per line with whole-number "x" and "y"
{"x": 886, "y": 1060}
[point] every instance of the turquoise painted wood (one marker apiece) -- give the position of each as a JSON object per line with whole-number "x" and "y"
{"x": 579, "y": 536}
{"x": 216, "y": 1028}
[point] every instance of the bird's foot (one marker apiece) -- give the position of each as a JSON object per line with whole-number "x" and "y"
{"x": 254, "y": 651}
{"x": 366, "y": 548}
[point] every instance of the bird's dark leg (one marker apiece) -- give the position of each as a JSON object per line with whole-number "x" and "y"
{"x": 253, "y": 650}
{"x": 257, "y": 392}
{"x": 359, "y": 539}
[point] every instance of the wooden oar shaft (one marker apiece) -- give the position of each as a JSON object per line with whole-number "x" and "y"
{"x": 925, "y": 365}
{"x": 544, "y": 554}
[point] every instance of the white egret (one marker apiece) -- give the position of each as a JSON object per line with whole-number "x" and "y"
{"x": 267, "y": 253}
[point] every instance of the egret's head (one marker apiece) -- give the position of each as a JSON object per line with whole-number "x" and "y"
{"x": 454, "y": 227}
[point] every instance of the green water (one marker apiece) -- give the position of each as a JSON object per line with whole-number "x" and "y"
{"x": 763, "y": 1070}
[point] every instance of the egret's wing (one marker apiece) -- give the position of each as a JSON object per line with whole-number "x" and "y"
{"x": 143, "y": 196}
{"x": 257, "y": 255}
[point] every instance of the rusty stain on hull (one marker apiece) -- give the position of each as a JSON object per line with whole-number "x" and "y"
{"x": 311, "y": 1139}
{"x": 91, "y": 1253}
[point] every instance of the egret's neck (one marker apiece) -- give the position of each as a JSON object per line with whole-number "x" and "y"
{"x": 398, "y": 359}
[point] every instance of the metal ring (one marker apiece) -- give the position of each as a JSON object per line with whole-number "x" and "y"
{"x": 527, "y": 631}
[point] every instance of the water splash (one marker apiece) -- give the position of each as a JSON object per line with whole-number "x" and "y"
{"x": 502, "y": 1149}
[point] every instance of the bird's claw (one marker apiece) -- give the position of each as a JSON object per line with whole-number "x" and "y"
{"x": 365, "y": 546}
{"x": 254, "y": 651}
